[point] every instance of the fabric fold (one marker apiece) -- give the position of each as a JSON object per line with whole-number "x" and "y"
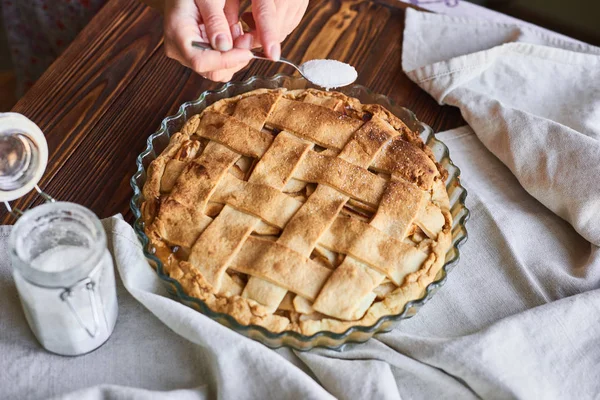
{"x": 534, "y": 106}
{"x": 236, "y": 377}
{"x": 467, "y": 342}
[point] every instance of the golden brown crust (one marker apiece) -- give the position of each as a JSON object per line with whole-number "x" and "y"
{"x": 298, "y": 210}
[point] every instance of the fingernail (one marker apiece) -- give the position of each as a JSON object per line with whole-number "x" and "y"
{"x": 244, "y": 42}
{"x": 222, "y": 43}
{"x": 236, "y": 30}
{"x": 275, "y": 52}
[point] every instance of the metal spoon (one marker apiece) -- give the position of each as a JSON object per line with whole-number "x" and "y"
{"x": 304, "y": 71}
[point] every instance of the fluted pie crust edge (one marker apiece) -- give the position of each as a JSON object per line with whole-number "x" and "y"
{"x": 298, "y": 210}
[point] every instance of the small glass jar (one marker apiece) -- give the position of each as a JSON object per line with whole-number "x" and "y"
{"x": 65, "y": 277}
{"x": 23, "y": 156}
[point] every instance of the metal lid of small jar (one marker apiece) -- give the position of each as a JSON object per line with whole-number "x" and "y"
{"x": 23, "y": 156}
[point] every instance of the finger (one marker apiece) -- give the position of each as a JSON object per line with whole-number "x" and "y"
{"x": 185, "y": 30}
{"x": 232, "y": 14}
{"x": 172, "y": 52}
{"x": 219, "y": 76}
{"x": 217, "y": 28}
{"x": 203, "y": 61}
{"x": 181, "y": 24}
{"x": 265, "y": 16}
{"x": 301, "y": 6}
{"x": 246, "y": 41}
{"x": 282, "y": 8}
{"x": 203, "y": 33}
{"x": 289, "y": 14}
{"x": 224, "y": 75}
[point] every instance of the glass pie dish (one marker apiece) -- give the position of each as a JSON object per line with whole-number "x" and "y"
{"x": 158, "y": 141}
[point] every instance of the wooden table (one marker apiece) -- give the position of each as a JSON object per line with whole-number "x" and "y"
{"x": 109, "y": 91}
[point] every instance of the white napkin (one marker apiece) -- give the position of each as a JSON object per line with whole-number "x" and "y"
{"x": 537, "y": 108}
{"x": 196, "y": 358}
{"x": 494, "y": 331}
{"x": 518, "y": 317}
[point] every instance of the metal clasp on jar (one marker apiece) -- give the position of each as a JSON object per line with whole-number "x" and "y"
{"x": 68, "y": 293}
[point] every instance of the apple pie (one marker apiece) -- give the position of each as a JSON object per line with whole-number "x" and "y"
{"x": 298, "y": 210}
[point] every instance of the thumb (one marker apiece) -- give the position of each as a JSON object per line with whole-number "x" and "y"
{"x": 217, "y": 28}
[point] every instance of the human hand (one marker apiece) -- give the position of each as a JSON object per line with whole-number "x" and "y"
{"x": 217, "y": 22}
{"x": 271, "y": 22}
{"x": 204, "y": 21}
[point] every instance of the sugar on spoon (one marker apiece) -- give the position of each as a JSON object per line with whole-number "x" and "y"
{"x": 328, "y": 74}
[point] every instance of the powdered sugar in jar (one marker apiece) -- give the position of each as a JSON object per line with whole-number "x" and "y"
{"x": 65, "y": 277}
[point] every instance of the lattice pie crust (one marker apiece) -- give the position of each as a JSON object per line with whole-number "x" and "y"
{"x": 298, "y": 210}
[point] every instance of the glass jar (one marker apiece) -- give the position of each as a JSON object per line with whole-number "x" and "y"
{"x": 23, "y": 155}
{"x": 65, "y": 277}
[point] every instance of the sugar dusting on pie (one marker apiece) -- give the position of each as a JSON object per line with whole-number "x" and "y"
{"x": 298, "y": 210}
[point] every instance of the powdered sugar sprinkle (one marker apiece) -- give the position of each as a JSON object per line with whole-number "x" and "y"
{"x": 329, "y": 74}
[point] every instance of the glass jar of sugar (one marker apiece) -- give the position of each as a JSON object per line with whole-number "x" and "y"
{"x": 65, "y": 277}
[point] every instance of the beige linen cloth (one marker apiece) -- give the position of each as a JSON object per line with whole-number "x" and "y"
{"x": 518, "y": 318}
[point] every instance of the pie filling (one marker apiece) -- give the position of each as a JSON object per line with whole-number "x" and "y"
{"x": 298, "y": 210}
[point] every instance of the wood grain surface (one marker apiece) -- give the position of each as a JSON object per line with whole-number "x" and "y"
{"x": 104, "y": 96}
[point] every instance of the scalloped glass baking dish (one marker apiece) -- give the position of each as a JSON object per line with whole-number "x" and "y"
{"x": 159, "y": 140}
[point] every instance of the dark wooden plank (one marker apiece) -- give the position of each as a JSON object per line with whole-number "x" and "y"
{"x": 109, "y": 91}
{"x": 75, "y": 92}
{"x": 105, "y": 159}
